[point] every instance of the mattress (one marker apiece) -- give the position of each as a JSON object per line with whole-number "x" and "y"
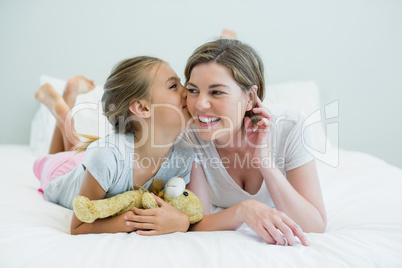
{"x": 362, "y": 198}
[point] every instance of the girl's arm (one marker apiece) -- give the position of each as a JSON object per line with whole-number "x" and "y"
{"x": 92, "y": 189}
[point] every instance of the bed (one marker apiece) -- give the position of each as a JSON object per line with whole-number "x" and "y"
{"x": 361, "y": 194}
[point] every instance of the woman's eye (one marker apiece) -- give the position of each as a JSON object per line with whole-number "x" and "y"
{"x": 173, "y": 86}
{"x": 217, "y": 92}
{"x": 190, "y": 90}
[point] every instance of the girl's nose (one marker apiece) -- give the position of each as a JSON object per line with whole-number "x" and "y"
{"x": 183, "y": 91}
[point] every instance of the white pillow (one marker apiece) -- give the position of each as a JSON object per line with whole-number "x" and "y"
{"x": 87, "y": 114}
{"x": 301, "y": 95}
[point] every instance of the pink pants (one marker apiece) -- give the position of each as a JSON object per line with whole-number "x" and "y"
{"x": 51, "y": 166}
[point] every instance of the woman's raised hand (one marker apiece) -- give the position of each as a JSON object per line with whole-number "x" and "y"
{"x": 267, "y": 222}
{"x": 258, "y": 137}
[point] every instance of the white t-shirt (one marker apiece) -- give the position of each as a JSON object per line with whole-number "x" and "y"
{"x": 287, "y": 151}
{"x": 110, "y": 161}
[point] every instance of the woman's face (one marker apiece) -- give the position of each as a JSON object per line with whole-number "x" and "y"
{"x": 168, "y": 99}
{"x": 216, "y": 102}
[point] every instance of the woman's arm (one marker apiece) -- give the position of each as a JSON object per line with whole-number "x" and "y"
{"x": 298, "y": 195}
{"x": 199, "y": 186}
{"x": 264, "y": 220}
{"x": 92, "y": 189}
{"x": 228, "y": 219}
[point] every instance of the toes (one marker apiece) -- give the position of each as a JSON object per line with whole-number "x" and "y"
{"x": 229, "y": 34}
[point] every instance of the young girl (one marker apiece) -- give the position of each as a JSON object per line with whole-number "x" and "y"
{"x": 146, "y": 104}
{"x": 252, "y": 156}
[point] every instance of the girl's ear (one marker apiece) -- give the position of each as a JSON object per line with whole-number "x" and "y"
{"x": 251, "y": 98}
{"x": 140, "y": 108}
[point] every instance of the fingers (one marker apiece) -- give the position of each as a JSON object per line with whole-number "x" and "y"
{"x": 278, "y": 224}
{"x": 263, "y": 123}
{"x": 297, "y": 231}
{"x": 139, "y": 218}
{"x": 262, "y": 111}
{"x": 289, "y": 229}
{"x": 143, "y": 212}
{"x": 158, "y": 200}
{"x": 248, "y": 124}
{"x": 140, "y": 225}
{"x": 264, "y": 233}
{"x": 287, "y": 232}
{"x": 147, "y": 233}
{"x": 258, "y": 101}
{"x": 140, "y": 222}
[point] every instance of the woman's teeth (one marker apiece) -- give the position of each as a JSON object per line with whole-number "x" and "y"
{"x": 208, "y": 119}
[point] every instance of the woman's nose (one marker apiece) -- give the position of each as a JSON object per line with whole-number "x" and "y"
{"x": 202, "y": 103}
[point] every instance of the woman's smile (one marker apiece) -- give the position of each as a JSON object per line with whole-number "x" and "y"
{"x": 215, "y": 101}
{"x": 208, "y": 120}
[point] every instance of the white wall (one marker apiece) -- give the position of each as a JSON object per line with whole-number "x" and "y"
{"x": 351, "y": 48}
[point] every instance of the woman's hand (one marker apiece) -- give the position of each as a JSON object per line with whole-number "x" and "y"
{"x": 155, "y": 221}
{"x": 267, "y": 223}
{"x": 258, "y": 138}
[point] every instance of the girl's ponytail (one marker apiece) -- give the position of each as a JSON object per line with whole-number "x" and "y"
{"x": 82, "y": 146}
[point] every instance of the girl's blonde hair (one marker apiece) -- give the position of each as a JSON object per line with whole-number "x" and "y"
{"x": 129, "y": 80}
{"x": 243, "y": 62}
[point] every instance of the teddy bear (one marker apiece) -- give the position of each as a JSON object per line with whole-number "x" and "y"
{"x": 174, "y": 193}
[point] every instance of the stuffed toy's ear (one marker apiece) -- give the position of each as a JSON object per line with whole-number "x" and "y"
{"x": 156, "y": 186}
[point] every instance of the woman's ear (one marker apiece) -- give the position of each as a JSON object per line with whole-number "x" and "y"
{"x": 140, "y": 108}
{"x": 251, "y": 94}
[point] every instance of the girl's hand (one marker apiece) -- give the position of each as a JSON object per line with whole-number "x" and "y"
{"x": 155, "y": 221}
{"x": 122, "y": 222}
{"x": 267, "y": 222}
{"x": 258, "y": 138}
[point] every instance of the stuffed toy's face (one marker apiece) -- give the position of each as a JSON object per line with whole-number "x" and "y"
{"x": 184, "y": 200}
{"x": 187, "y": 202}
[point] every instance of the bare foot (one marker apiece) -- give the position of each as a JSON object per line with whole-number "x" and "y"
{"x": 76, "y": 85}
{"x": 48, "y": 96}
{"x": 229, "y": 34}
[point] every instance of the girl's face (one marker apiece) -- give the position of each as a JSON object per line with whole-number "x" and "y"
{"x": 168, "y": 99}
{"x": 216, "y": 102}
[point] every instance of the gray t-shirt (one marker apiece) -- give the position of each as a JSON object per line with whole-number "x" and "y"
{"x": 287, "y": 151}
{"x": 110, "y": 160}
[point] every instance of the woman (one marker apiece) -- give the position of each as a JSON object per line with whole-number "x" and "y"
{"x": 252, "y": 157}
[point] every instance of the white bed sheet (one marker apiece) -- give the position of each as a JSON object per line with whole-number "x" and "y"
{"x": 362, "y": 197}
